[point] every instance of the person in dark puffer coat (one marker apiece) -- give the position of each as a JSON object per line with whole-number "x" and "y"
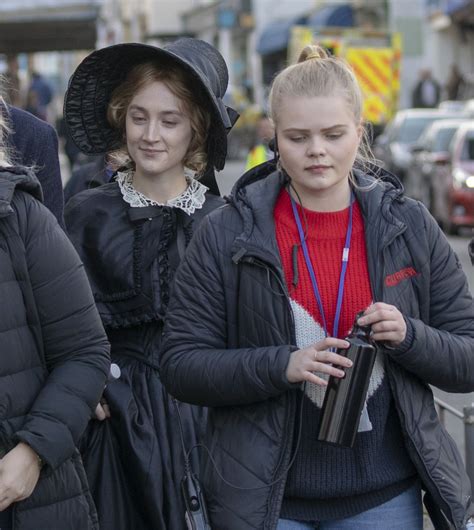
{"x": 55, "y": 358}
{"x": 245, "y": 334}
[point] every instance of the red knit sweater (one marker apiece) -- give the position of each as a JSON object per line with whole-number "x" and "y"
{"x": 326, "y": 234}
{"x": 327, "y": 482}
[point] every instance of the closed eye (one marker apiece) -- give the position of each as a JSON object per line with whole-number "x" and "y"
{"x": 334, "y": 136}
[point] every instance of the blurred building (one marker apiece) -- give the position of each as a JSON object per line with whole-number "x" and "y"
{"x": 254, "y": 36}
{"x": 28, "y": 26}
{"x": 450, "y": 38}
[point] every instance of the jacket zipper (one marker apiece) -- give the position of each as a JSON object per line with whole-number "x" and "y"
{"x": 285, "y": 453}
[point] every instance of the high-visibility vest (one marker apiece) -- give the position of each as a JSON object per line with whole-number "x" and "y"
{"x": 257, "y": 155}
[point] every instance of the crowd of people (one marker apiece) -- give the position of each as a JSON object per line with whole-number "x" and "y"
{"x": 223, "y": 319}
{"x": 428, "y": 91}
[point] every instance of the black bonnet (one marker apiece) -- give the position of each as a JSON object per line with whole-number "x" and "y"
{"x": 94, "y": 80}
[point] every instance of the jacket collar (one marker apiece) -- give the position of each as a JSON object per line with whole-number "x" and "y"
{"x": 376, "y": 192}
{"x": 13, "y": 177}
{"x": 254, "y": 196}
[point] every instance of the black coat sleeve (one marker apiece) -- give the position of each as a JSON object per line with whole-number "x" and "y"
{"x": 441, "y": 350}
{"x": 76, "y": 349}
{"x": 197, "y": 366}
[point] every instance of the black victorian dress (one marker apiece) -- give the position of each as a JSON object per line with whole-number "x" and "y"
{"x": 134, "y": 460}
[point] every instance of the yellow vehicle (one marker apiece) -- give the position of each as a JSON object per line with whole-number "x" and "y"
{"x": 374, "y": 56}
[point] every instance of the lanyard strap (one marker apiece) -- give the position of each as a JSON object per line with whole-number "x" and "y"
{"x": 309, "y": 266}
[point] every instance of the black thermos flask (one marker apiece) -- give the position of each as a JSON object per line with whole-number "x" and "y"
{"x": 345, "y": 397}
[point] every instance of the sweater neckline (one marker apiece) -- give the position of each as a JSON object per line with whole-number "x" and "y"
{"x": 319, "y": 225}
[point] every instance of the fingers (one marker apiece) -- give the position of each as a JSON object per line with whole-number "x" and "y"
{"x": 326, "y": 362}
{"x": 10, "y": 493}
{"x": 386, "y": 321}
{"x": 106, "y": 408}
{"x": 102, "y": 411}
{"x": 306, "y": 364}
{"x": 331, "y": 343}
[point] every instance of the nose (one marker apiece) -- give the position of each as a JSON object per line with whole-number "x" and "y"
{"x": 152, "y": 132}
{"x": 315, "y": 147}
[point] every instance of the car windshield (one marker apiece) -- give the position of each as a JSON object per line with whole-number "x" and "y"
{"x": 443, "y": 139}
{"x": 467, "y": 152}
{"x": 412, "y": 127}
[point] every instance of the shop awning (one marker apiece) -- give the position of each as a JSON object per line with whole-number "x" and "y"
{"x": 48, "y": 25}
{"x": 276, "y": 35}
{"x": 341, "y": 15}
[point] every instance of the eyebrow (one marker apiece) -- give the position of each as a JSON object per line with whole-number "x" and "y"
{"x": 165, "y": 112}
{"x": 337, "y": 126}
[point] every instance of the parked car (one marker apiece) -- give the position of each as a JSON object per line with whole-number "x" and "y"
{"x": 425, "y": 176}
{"x": 461, "y": 179}
{"x": 452, "y": 105}
{"x": 393, "y": 146}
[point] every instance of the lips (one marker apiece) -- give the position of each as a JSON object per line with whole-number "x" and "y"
{"x": 150, "y": 151}
{"x": 316, "y": 167}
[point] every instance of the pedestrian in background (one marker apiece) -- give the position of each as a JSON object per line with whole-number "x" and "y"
{"x": 270, "y": 286}
{"x": 54, "y": 360}
{"x": 427, "y": 91}
{"x": 39, "y": 96}
{"x": 160, "y": 112}
{"x": 455, "y": 84}
{"x": 34, "y": 143}
{"x": 87, "y": 176}
{"x": 260, "y": 152}
{"x": 11, "y": 81}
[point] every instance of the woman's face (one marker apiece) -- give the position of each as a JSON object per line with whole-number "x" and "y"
{"x": 158, "y": 132}
{"x": 318, "y": 141}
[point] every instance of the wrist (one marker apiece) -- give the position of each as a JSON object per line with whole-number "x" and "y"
{"x": 35, "y": 456}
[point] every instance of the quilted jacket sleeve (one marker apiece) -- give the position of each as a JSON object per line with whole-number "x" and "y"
{"x": 196, "y": 364}
{"x": 441, "y": 346}
{"x": 75, "y": 345}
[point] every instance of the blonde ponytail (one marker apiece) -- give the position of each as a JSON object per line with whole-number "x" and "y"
{"x": 312, "y": 51}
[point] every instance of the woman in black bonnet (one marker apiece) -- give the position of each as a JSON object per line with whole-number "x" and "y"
{"x": 159, "y": 114}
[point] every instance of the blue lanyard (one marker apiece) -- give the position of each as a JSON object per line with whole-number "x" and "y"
{"x": 309, "y": 266}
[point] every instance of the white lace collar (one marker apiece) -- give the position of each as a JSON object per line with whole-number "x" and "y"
{"x": 192, "y": 198}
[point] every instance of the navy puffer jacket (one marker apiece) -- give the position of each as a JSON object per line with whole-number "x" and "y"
{"x": 55, "y": 355}
{"x": 230, "y": 333}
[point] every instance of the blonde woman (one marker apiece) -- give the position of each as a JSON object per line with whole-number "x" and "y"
{"x": 283, "y": 270}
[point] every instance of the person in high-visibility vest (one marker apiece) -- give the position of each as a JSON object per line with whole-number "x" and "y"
{"x": 260, "y": 152}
